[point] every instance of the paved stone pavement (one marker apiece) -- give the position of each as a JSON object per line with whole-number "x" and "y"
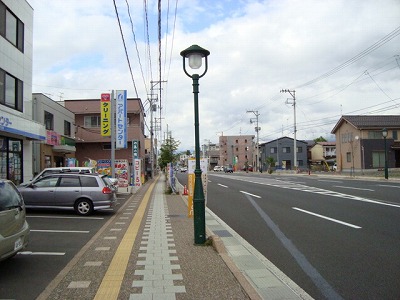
{"x": 146, "y": 251}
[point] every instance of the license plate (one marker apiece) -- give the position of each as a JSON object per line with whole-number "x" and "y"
{"x": 18, "y": 244}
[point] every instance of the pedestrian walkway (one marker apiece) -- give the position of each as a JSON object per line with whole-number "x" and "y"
{"x": 146, "y": 251}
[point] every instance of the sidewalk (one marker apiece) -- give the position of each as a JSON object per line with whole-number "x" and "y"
{"x": 146, "y": 251}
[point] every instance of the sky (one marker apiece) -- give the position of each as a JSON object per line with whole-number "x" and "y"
{"x": 340, "y": 57}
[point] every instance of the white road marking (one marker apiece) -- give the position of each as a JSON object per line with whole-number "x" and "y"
{"x": 59, "y": 231}
{"x": 324, "y": 180}
{"x": 41, "y": 253}
{"x": 353, "y": 188}
{"x": 54, "y": 217}
{"x": 225, "y": 186}
{"x": 327, "y": 218}
{"x": 256, "y": 196}
{"x": 385, "y": 185}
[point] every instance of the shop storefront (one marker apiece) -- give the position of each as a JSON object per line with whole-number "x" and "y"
{"x": 11, "y": 159}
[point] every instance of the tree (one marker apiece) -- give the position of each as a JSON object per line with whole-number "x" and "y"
{"x": 167, "y": 154}
{"x": 270, "y": 161}
{"x": 320, "y": 139}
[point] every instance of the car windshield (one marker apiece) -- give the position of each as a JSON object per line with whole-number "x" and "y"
{"x": 9, "y": 196}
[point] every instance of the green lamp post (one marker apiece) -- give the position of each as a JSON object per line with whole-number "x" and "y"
{"x": 195, "y": 55}
{"x": 384, "y": 134}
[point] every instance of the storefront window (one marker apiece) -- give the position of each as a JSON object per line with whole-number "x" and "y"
{"x": 11, "y": 159}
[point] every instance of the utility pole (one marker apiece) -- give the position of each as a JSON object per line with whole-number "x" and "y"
{"x": 255, "y": 112}
{"x": 293, "y": 101}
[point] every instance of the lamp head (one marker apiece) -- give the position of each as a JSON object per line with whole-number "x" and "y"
{"x": 195, "y": 55}
{"x": 384, "y": 132}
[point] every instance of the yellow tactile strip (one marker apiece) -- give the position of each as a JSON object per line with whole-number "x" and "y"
{"x": 111, "y": 283}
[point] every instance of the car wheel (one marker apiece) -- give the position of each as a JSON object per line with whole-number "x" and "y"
{"x": 83, "y": 207}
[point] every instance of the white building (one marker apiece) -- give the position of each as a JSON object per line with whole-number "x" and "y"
{"x": 17, "y": 130}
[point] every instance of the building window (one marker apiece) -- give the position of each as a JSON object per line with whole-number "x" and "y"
{"x": 273, "y": 150}
{"x": 394, "y": 135}
{"x": 299, "y": 150}
{"x": 67, "y": 128}
{"x": 11, "y": 28}
{"x": 300, "y": 163}
{"x": 374, "y": 135}
{"x": 348, "y": 156}
{"x": 378, "y": 159}
{"x": 11, "y": 91}
{"x": 286, "y": 149}
{"x": 92, "y": 121}
{"x": 48, "y": 120}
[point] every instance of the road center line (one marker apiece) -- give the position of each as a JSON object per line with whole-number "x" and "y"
{"x": 256, "y": 196}
{"x": 225, "y": 186}
{"x": 353, "y": 188}
{"x": 327, "y": 218}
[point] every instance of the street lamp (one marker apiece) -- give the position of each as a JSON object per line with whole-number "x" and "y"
{"x": 384, "y": 134}
{"x": 195, "y": 55}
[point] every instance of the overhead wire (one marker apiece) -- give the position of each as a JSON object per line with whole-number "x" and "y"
{"x": 126, "y": 52}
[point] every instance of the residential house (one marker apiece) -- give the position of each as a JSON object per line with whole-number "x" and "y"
{"x": 281, "y": 150}
{"x": 17, "y": 130}
{"x": 360, "y": 144}
{"x": 323, "y": 155}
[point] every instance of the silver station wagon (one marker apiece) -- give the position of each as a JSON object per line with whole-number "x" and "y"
{"x": 14, "y": 230}
{"x": 82, "y": 192}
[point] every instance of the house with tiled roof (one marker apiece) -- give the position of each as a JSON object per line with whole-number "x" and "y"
{"x": 360, "y": 144}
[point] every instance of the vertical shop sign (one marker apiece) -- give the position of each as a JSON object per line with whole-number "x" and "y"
{"x": 121, "y": 120}
{"x": 105, "y": 114}
{"x": 137, "y": 171}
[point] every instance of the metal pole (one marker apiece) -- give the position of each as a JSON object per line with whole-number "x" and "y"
{"x": 198, "y": 197}
{"x": 112, "y": 134}
{"x": 386, "y": 162}
{"x": 295, "y": 130}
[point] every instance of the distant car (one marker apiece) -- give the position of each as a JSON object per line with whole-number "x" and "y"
{"x": 218, "y": 168}
{"x": 83, "y": 193}
{"x": 49, "y": 171}
{"x": 249, "y": 168}
{"x": 228, "y": 169}
{"x": 183, "y": 169}
{"x": 14, "y": 230}
{"x": 334, "y": 167}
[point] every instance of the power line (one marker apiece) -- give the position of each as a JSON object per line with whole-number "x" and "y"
{"x": 362, "y": 54}
{"x": 126, "y": 52}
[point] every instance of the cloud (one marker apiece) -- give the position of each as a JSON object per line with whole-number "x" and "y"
{"x": 257, "y": 48}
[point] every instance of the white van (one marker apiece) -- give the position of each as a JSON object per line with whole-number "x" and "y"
{"x": 49, "y": 171}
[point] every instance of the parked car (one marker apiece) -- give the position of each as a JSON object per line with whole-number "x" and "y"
{"x": 183, "y": 169}
{"x": 49, "y": 171}
{"x": 228, "y": 169}
{"x": 14, "y": 230}
{"x": 218, "y": 168}
{"x": 82, "y": 192}
{"x": 112, "y": 182}
{"x": 334, "y": 167}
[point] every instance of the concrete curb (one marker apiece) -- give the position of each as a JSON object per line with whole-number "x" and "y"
{"x": 219, "y": 247}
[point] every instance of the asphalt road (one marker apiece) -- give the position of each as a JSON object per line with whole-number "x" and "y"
{"x": 335, "y": 237}
{"x": 56, "y": 237}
